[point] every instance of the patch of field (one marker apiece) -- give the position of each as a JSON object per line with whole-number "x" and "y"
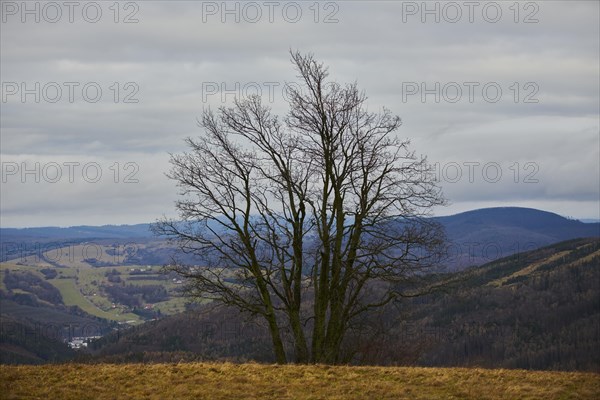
{"x": 173, "y": 306}
{"x": 257, "y": 381}
{"x": 585, "y": 259}
{"x": 19, "y": 267}
{"x": 73, "y": 297}
{"x": 529, "y": 269}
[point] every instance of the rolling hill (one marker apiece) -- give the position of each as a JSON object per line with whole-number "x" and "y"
{"x": 480, "y": 236}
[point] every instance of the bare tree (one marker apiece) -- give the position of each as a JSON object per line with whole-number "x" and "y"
{"x": 308, "y": 222}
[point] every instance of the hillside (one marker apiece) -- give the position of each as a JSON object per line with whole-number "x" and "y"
{"x": 36, "y": 332}
{"x": 205, "y": 333}
{"x": 256, "y": 381}
{"x": 24, "y": 342}
{"x": 534, "y": 310}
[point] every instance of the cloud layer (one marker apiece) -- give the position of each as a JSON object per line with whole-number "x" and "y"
{"x": 502, "y": 99}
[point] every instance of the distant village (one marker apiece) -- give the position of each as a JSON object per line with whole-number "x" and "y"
{"x": 80, "y": 342}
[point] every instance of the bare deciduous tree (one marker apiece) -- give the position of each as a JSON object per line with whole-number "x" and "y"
{"x": 308, "y": 222}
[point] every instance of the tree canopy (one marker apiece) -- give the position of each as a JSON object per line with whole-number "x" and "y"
{"x": 308, "y": 221}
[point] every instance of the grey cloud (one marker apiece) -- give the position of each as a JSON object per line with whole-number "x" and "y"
{"x": 171, "y": 54}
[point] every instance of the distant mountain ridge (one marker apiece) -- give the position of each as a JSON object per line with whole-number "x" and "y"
{"x": 80, "y": 232}
{"x": 533, "y": 219}
{"x": 474, "y": 237}
{"x": 480, "y": 236}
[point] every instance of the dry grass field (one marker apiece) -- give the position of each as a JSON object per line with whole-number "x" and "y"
{"x": 257, "y": 381}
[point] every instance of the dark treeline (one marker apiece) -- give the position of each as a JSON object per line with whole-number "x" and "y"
{"x": 28, "y": 282}
{"x": 133, "y": 295}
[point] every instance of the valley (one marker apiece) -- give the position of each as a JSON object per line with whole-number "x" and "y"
{"x": 535, "y": 309}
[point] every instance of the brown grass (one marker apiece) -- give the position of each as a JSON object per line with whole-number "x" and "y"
{"x": 257, "y": 381}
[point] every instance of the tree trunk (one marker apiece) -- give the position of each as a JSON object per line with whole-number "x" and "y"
{"x": 278, "y": 348}
{"x": 300, "y": 346}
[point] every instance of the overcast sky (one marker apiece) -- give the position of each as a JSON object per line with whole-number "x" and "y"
{"x": 503, "y": 98}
